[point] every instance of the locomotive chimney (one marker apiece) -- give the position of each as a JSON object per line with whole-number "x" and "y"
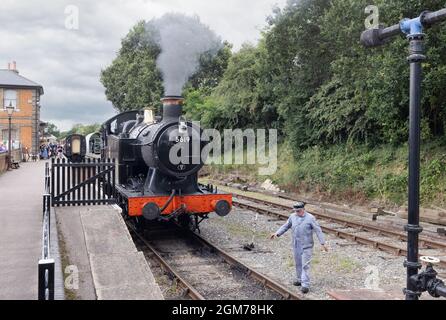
{"x": 172, "y": 107}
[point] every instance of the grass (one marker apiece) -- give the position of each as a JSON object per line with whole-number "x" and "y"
{"x": 290, "y": 262}
{"x": 340, "y": 264}
{"x": 346, "y": 265}
{"x": 354, "y": 173}
{"x": 241, "y": 231}
{"x": 69, "y": 294}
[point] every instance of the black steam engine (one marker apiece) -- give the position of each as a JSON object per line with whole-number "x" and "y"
{"x": 158, "y": 159}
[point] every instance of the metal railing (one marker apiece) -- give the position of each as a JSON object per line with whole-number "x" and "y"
{"x": 46, "y": 264}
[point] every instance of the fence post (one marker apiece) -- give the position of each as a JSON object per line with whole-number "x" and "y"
{"x": 63, "y": 179}
{"x": 47, "y": 213}
{"x": 46, "y": 279}
{"x": 114, "y": 178}
{"x": 52, "y": 181}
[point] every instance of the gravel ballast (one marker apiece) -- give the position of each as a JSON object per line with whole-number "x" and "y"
{"x": 347, "y": 265}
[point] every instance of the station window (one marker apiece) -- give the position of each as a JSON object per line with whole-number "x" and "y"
{"x": 14, "y": 137}
{"x": 10, "y": 97}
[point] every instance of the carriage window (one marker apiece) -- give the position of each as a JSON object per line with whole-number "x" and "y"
{"x": 114, "y": 127}
{"x": 76, "y": 145}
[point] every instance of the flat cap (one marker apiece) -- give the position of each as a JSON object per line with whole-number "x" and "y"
{"x": 299, "y": 205}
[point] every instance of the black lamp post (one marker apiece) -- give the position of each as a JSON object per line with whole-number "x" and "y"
{"x": 9, "y": 110}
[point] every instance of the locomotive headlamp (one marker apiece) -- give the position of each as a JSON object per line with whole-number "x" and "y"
{"x": 182, "y": 126}
{"x": 149, "y": 116}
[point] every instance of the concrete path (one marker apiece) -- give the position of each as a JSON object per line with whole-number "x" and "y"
{"x": 20, "y": 230}
{"x": 119, "y": 271}
{"x": 98, "y": 243}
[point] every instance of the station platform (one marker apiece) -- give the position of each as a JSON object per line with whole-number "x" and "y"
{"x": 92, "y": 241}
{"x": 97, "y": 242}
{"x": 21, "y": 193}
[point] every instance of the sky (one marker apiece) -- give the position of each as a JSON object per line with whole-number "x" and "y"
{"x": 64, "y": 44}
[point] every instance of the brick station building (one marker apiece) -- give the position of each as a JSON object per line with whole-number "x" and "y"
{"x": 24, "y": 95}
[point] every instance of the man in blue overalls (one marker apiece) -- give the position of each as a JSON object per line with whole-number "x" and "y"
{"x": 303, "y": 225}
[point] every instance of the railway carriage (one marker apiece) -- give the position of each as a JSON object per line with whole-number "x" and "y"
{"x": 75, "y": 147}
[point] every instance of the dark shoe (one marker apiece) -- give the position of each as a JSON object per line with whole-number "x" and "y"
{"x": 297, "y": 283}
{"x": 305, "y": 290}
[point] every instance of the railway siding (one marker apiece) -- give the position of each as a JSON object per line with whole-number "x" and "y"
{"x": 397, "y": 248}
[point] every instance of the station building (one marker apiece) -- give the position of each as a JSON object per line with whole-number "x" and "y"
{"x": 24, "y": 95}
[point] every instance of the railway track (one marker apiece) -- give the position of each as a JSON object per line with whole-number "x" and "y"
{"x": 203, "y": 270}
{"x": 433, "y": 234}
{"x": 281, "y": 211}
{"x": 380, "y": 230}
{"x": 434, "y": 238}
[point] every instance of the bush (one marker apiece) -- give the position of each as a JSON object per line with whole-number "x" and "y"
{"x": 357, "y": 173}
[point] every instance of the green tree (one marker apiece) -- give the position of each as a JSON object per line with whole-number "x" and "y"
{"x": 298, "y": 61}
{"x": 239, "y": 95}
{"x": 133, "y": 81}
{"x": 238, "y": 100}
{"x": 201, "y": 85}
{"x": 211, "y": 70}
{"x": 366, "y": 97}
{"x": 81, "y": 129}
{"x": 52, "y": 129}
{"x": 308, "y": 76}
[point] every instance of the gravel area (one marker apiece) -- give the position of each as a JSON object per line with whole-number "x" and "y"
{"x": 347, "y": 265}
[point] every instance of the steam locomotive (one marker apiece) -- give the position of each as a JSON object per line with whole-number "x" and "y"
{"x": 151, "y": 184}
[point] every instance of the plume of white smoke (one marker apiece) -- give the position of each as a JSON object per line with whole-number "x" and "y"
{"x": 182, "y": 39}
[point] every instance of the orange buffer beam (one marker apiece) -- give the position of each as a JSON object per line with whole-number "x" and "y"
{"x": 192, "y": 203}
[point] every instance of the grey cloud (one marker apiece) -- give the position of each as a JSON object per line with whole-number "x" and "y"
{"x": 68, "y": 62}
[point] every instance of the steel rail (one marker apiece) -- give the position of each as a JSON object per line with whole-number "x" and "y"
{"x": 259, "y": 277}
{"x": 231, "y": 260}
{"x": 339, "y": 233}
{"x": 331, "y": 207}
{"x": 190, "y": 290}
{"x": 431, "y": 244}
